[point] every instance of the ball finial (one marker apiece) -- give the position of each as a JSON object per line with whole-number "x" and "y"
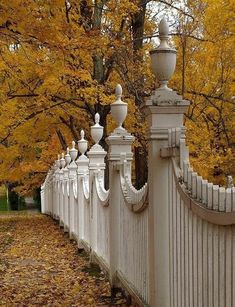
{"x": 73, "y": 145}
{"x": 62, "y": 155}
{"x": 82, "y": 134}
{"x": 67, "y": 150}
{"x": 58, "y": 156}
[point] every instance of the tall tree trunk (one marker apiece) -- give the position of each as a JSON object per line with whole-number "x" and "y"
{"x": 13, "y": 197}
{"x": 141, "y": 171}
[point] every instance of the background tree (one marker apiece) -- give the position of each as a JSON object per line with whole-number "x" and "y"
{"x": 61, "y": 60}
{"x": 205, "y": 72}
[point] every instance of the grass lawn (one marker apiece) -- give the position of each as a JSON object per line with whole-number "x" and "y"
{"x": 3, "y": 203}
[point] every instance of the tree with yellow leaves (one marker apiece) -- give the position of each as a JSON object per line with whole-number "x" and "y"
{"x": 61, "y": 60}
{"x": 205, "y": 75}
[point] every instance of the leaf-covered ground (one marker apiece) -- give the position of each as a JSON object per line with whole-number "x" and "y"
{"x": 40, "y": 266}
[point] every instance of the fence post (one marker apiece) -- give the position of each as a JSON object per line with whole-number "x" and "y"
{"x": 96, "y": 162}
{"x": 82, "y": 170}
{"x": 62, "y": 164}
{"x": 56, "y": 187}
{"x": 50, "y": 199}
{"x": 119, "y": 142}
{"x": 53, "y": 193}
{"x": 164, "y": 110}
{"x": 72, "y": 167}
{"x": 66, "y": 196}
{"x": 43, "y": 198}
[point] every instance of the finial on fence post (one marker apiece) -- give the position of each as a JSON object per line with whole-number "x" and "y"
{"x": 57, "y": 162}
{"x": 230, "y": 182}
{"x": 73, "y": 152}
{"x": 163, "y": 32}
{"x": 67, "y": 157}
{"x": 118, "y": 91}
{"x": 97, "y": 118}
{"x": 163, "y": 58}
{"x": 62, "y": 161}
{"x": 119, "y": 108}
{"x": 97, "y": 130}
{"x": 82, "y": 144}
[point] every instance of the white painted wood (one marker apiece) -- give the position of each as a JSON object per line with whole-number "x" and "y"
{"x": 65, "y": 202}
{"x": 228, "y": 200}
{"x": 170, "y": 136}
{"x": 189, "y": 176}
{"x": 205, "y": 262}
{"x": 61, "y": 203}
{"x": 229, "y": 262}
{"x": 182, "y": 248}
{"x": 194, "y": 184}
{"x": 233, "y": 198}
{"x": 190, "y": 222}
{"x": 175, "y": 248}
{"x": 186, "y": 241}
{"x": 177, "y": 136}
{"x": 173, "y": 137}
{"x": 216, "y": 265}
{"x": 222, "y": 266}
{"x": 200, "y": 254}
{"x": 185, "y": 171}
{"x": 210, "y": 301}
{"x": 222, "y": 199}
{"x": 164, "y": 253}
{"x": 199, "y": 262}
{"x": 199, "y": 188}
{"x": 178, "y": 255}
{"x": 195, "y": 260}
{"x": 183, "y": 153}
{"x": 215, "y": 196}
{"x": 204, "y": 192}
{"x": 171, "y": 248}
{"x": 210, "y": 195}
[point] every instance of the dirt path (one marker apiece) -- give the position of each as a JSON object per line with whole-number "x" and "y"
{"x": 39, "y": 266}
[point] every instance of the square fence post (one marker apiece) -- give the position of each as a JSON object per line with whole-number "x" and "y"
{"x": 164, "y": 110}
{"x": 120, "y": 142}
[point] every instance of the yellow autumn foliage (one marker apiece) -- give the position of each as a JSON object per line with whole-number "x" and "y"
{"x": 61, "y": 60}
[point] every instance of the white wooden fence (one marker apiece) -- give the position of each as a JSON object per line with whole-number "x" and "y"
{"x": 171, "y": 243}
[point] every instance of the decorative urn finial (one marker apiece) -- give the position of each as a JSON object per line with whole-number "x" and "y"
{"x": 119, "y": 108}
{"x": 82, "y": 144}
{"x": 97, "y": 130}
{"x": 163, "y": 58}
{"x": 62, "y": 161}
{"x": 230, "y": 182}
{"x": 73, "y": 152}
{"x": 57, "y": 162}
{"x": 67, "y": 157}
